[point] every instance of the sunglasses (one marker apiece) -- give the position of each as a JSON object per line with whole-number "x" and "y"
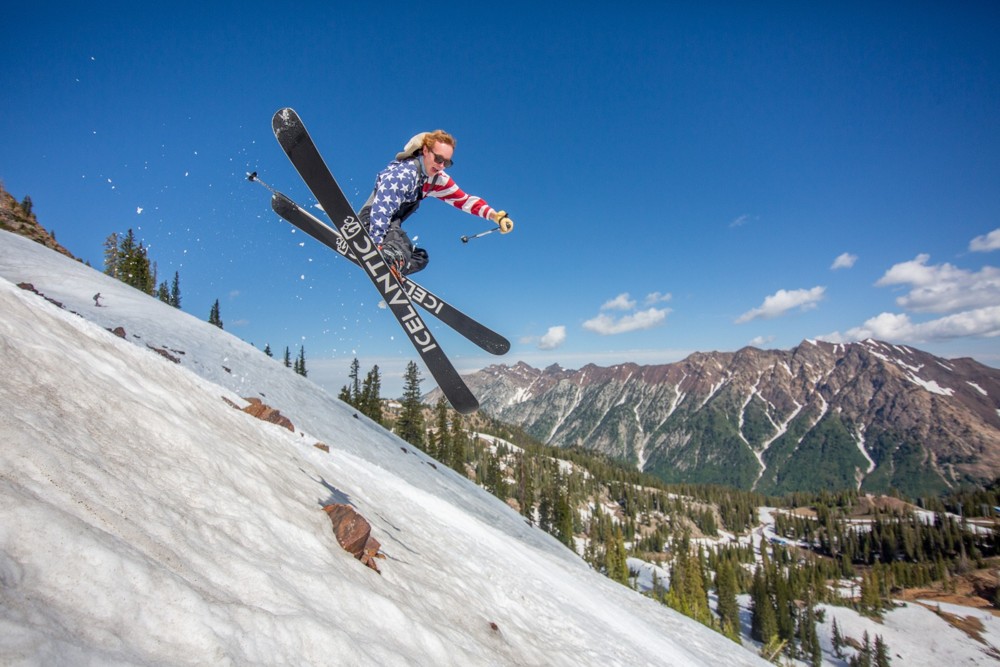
{"x": 445, "y": 162}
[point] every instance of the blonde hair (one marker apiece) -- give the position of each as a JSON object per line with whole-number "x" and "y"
{"x": 436, "y": 136}
{"x": 418, "y": 142}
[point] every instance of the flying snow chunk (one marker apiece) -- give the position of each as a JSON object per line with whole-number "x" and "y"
{"x": 138, "y": 210}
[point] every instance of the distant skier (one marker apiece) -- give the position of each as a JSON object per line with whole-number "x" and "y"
{"x": 97, "y": 299}
{"x": 418, "y": 172}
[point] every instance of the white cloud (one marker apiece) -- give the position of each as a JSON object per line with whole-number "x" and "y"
{"x": 844, "y": 261}
{"x": 740, "y": 221}
{"x": 972, "y": 300}
{"x": 606, "y": 325}
{"x": 761, "y": 341}
{"x": 943, "y": 288}
{"x": 658, "y": 297}
{"x": 987, "y": 242}
{"x": 783, "y": 301}
{"x": 553, "y": 338}
{"x": 620, "y": 302}
{"x": 898, "y": 327}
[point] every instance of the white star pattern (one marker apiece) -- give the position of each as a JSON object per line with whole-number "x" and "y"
{"x": 398, "y": 183}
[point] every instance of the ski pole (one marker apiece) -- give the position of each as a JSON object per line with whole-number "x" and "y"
{"x": 465, "y": 239}
{"x": 253, "y": 177}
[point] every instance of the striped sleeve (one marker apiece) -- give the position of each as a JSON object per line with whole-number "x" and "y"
{"x": 449, "y": 192}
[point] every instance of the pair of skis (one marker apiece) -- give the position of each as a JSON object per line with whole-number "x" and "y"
{"x": 352, "y": 241}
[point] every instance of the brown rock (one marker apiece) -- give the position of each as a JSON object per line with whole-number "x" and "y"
{"x": 353, "y": 532}
{"x": 265, "y": 412}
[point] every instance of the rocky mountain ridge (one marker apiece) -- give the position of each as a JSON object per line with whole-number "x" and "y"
{"x": 18, "y": 217}
{"x": 869, "y": 415}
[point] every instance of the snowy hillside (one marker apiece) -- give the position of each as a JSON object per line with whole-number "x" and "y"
{"x": 145, "y": 520}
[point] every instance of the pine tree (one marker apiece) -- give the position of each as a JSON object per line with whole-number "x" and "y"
{"x": 863, "y": 658}
{"x": 727, "y": 607}
{"x": 809, "y": 645}
{"x": 300, "y": 363}
{"x": 490, "y": 475}
{"x": 838, "y": 640}
{"x": 370, "y": 400}
{"x": 881, "y": 653}
{"x": 687, "y": 592}
{"x": 869, "y": 603}
{"x": 617, "y": 558}
{"x": 175, "y": 291}
{"x": 151, "y": 276}
{"x": 545, "y": 509}
{"x": 440, "y": 444}
{"x": 525, "y": 487}
{"x": 214, "y": 316}
{"x": 658, "y": 592}
{"x": 126, "y": 255}
{"x": 784, "y": 608}
{"x": 564, "y": 525}
{"x": 459, "y": 444}
{"x": 132, "y": 264}
{"x": 410, "y": 425}
{"x": 763, "y": 625}
{"x": 351, "y": 393}
{"x": 288, "y": 358}
{"x": 112, "y": 259}
{"x": 163, "y": 293}
{"x": 128, "y": 261}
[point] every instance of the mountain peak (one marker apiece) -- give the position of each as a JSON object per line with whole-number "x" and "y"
{"x": 871, "y": 414}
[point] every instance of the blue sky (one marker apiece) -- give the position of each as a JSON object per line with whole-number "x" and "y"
{"x": 682, "y": 177}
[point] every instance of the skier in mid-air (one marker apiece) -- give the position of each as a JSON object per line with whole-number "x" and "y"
{"x": 417, "y": 172}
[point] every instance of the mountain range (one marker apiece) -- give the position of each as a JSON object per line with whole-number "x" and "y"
{"x": 869, "y": 415}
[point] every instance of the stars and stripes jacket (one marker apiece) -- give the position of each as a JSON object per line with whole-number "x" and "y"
{"x": 401, "y": 186}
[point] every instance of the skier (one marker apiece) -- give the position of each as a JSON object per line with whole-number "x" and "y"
{"x": 417, "y": 172}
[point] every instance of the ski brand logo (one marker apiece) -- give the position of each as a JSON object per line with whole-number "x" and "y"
{"x": 343, "y": 248}
{"x": 423, "y": 297}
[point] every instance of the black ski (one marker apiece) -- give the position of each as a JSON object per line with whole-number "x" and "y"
{"x": 299, "y": 147}
{"x": 476, "y": 332}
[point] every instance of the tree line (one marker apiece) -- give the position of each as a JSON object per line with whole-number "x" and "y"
{"x": 607, "y": 513}
{"x": 127, "y": 259}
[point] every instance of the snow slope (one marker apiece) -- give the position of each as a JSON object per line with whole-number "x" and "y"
{"x": 144, "y": 520}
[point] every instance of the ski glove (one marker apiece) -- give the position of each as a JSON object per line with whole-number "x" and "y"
{"x": 505, "y": 223}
